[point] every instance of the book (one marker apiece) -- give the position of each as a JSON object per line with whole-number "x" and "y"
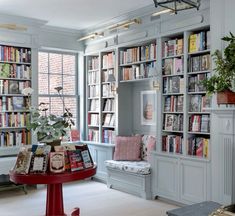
{"x": 39, "y": 163}
{"x": 13, "y": 87}
{"x": 178, "y": 65}
{"x": 23, "y": 161}
{"x": 5, "y": 70}
{"x": 18, "y": 103}
{"x": 86, "y": 156}
{"x": 57, "y": 162}
{"x": 168, "y": 67}
{"x": 169, "y": 122}
{"x": 75, "y": 159}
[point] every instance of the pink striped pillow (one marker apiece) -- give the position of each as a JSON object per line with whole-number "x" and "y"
{"x": 127, "y": 148}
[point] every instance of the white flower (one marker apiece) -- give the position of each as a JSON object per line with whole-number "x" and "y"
{"x": 27, "y": 91}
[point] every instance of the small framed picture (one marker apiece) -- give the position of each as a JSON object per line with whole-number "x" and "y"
{"x": 148, "y": 107}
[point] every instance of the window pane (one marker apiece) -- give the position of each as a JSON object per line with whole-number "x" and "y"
{"x": 56, "y": 106}
{"x": 71, "y": 104}
{"x": 43, "y": 84}
{"x": 55, "y": 81}
{"x": 69, "y": 64}
{"x": 42, "y": 62}
{"x": 55, "y": 62}
{"x": 69, "y": 85}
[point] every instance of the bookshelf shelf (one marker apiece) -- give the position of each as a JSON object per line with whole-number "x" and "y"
{"x": 15, "y": 75}
{"x": 199, "y": 52}
{"x": 173, "y": 56}
{"x": 137, "y": 80}
{"x": 172, "y": 75}
{"x": 137, "y": 63}
{"x": 199, "y": 72}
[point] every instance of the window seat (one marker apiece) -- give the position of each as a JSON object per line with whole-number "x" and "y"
{"x": 130, "y": 171}
{"x": 133, "y": 177}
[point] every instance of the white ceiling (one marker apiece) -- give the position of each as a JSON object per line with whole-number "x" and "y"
{"x": 74, "y": 14}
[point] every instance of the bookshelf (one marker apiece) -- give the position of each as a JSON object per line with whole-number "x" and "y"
{"x": 183, "y": 156}
{"x": 15, "y": 75}
{"x": 100, "y": 108}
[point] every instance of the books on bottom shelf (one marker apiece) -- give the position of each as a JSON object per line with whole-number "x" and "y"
{"x": 108, "y": 136}
{"x": 198, "y": 146}
{"x": 172, "y": 143}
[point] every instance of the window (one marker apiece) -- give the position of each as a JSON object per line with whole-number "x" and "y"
{"x": 58, "y": 69}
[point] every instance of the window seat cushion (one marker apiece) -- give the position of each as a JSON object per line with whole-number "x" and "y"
{"x": 138, "y": 167}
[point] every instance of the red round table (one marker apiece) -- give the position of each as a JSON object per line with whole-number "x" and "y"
{"x": 54, "y": 203}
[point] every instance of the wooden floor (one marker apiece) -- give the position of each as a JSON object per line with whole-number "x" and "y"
{"x": 93, "y": 198}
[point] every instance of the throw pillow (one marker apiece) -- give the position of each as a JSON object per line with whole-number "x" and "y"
{"x": 127, "y": 148}
{"x": 148, "y": 145}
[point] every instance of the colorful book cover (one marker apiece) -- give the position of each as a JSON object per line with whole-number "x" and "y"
{"x": 75, "y": 159}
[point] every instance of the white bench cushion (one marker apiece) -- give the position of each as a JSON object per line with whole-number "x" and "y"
{"x": 138, "y": 167}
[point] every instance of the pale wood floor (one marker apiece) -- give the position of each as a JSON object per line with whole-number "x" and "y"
{"x": 93, "y": 198}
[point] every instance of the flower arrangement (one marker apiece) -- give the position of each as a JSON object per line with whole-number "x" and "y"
{"x": 48, "y": 127}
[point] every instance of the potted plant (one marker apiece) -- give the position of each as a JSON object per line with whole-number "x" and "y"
{"x": 223, "y": 80}
{"x": 49, "y": 128}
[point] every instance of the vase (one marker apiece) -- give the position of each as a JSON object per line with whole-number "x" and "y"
{"x": 226, "y": 97}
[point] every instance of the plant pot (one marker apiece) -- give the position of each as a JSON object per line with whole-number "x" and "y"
{"x": 226, "y": 97}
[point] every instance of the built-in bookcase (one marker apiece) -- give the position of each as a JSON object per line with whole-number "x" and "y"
{"x": 186, "y": 61}
{"x": 101, "y": 97}
{"x": 173, "y": 81}
{"x": 15, "y": 75}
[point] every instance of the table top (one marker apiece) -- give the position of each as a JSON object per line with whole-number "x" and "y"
{"x": 52, "y": 178}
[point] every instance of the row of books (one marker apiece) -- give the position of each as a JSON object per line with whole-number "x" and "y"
{"x": 174, "y": 103}
{"x": 109, "y": 105}
{"x": 105, "y": 74}
{"x": 199, "y": 123}
{"x": 195, "y": 82}
{"x": 93, "y": 63}
{"x": 93, "y": 119}
{"x": 198, "y": 146}
{"x": 198, "y": 103}
{"x": 108, "y": 136}
{"x": 172, "y": 143}
{"x": 41, "y": 159}
{"x": 13, "y": 86}
{"x": 94, "y": 105}
{"x": 108, "y": 60}
{"x": 139, "y": 71}
{"x": 173, "y": 122}
{"x": 93, "y": 77}
{"x": 173, "y": 84}
{"x": 200, "y": 63}
{"x": 94, "y": 91}
{"x": 136, "y": 54}
{"x": 15, "y": 71}
{"x": 13, "y": 103}
{"x": 173, "y": 47}
{"x": 107, "y": 90}
{"x": 199, "y": 41}
{"x": 172, "y": 66}
{"x": 14, "y": 54}
{"x": 109, "y": 120}
{"x": 93, "y": 135}
{"x": 13, "y": 119}
{"x": 15, "y": 138}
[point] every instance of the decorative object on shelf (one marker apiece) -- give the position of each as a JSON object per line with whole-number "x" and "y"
{"x": 174, "y": 6}
{"x": 148, "y": 100}
{"x": 49, "y": 127}
{"x": 223, "y": 81}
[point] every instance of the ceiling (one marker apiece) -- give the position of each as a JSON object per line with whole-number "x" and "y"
{"x": 73, "y": 14}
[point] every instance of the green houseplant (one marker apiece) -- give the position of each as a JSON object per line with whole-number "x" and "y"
{"x": 222, "y": 81}
{"x": 48, "y": 127}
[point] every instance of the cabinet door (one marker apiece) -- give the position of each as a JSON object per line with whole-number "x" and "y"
{"x": 166, "y": 177}
{"x": 193, "y": 182}
{"x": 99, "y": 155}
